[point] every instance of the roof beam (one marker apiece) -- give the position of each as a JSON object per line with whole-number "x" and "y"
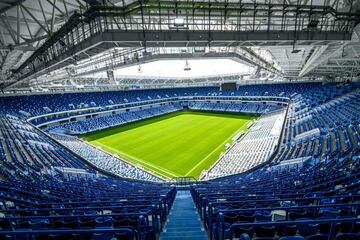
{"x": 340, "y": 66}
{"x": 53, "y": 17}
{"x": 11, "y": 5}
{"x": 321, "y": 56}
{"x": 93, "y": 2}
{"x": 26, "y": 23}
{"x": 55, "y": 7}
{"x": 24, "y": 46}
{"x": 8, "y": 28}
{"x": 35, "y": 19}
{"x": 345, "y": 59}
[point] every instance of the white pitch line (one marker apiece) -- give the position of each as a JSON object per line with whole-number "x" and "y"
{"x": 137, "y": 159}
{"x": 207, "y": 156}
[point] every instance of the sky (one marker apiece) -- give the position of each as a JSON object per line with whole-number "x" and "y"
{"x": 175, "y": 68}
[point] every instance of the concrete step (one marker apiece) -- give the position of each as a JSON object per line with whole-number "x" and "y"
{"x": 183, "y": 221}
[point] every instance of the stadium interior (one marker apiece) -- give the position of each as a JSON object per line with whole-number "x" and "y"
{"x": 179, "y": 119}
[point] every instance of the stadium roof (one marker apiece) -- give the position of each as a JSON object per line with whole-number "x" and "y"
{"x": 293, "y": 39}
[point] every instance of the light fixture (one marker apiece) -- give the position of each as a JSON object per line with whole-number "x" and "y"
{"x": 179, "y": 22}
{"x": 295, "y": 50}
{"x": 139, "y": 69}
{"x": 187, "y": 66}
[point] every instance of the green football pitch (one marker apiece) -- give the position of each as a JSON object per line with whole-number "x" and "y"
{"x": 174, "y": 145}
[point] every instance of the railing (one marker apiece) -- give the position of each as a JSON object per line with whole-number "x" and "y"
{"x": 52, "y": 118}
{"x": 183, "y": 181}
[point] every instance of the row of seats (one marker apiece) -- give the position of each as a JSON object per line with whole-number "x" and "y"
{"x": 99, "y": 123}
{"x": 315, "y": 192}
{"x": 99, "y": 206}
{"x": 252, "y": 108}
{"x": 310, "y": 189}
{"x": 33, "y": 105}
{"x": 48, "y": 192}
{"x": 93, "y": 124}
{"x": 253, "y": 149}
{"x": 330, "y": 129}
{"x": 103, "y": 160}
{"x": 24, "y": 150}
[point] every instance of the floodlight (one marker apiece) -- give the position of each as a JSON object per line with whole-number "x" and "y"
{"x": 187, "y": 66}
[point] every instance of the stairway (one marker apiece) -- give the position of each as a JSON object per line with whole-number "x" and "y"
{"x": 183, "y": 222}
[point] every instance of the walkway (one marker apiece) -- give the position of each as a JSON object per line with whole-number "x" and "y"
{"x": 183, "y": 222}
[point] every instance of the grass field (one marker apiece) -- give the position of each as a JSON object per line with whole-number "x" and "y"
{"x": 177, "y": 144}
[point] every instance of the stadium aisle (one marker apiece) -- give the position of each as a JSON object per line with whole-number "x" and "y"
{"x": 184, "y": 221}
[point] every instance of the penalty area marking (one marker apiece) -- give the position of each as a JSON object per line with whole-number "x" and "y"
{"x": 137, "y": 159}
